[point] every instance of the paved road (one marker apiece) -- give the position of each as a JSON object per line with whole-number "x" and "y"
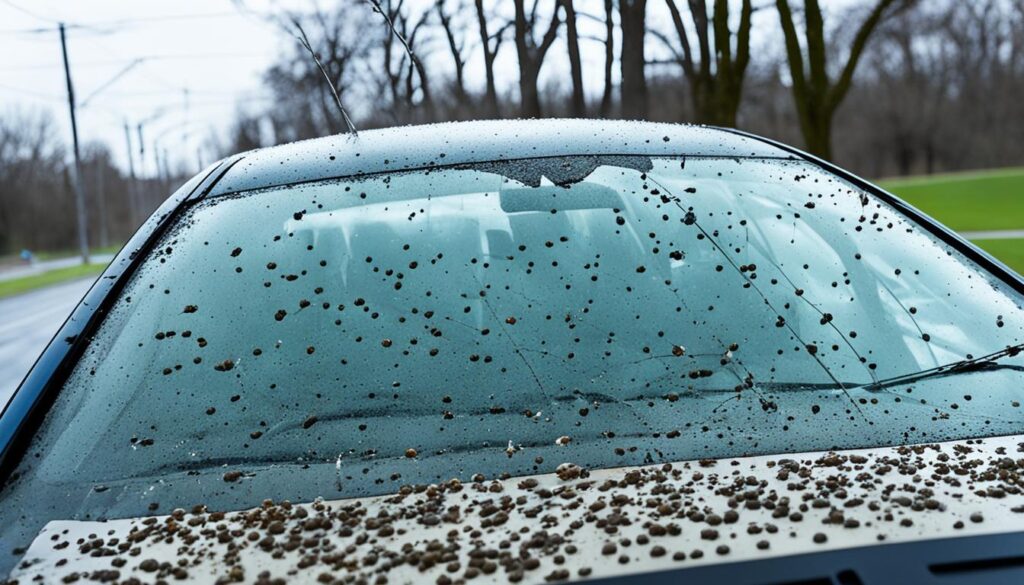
{"x": 27, "y": 323}
{"x": 994, "y": 235}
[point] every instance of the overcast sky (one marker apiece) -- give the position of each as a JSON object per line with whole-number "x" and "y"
{"x": 207, "y": 47}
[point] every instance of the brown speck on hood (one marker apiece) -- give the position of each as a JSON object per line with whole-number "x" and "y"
{"x": 647, "y": 517}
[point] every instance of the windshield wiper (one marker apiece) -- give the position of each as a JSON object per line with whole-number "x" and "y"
{"x": 983, "y": 363}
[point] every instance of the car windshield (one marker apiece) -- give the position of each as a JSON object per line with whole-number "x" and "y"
{"x": 346, "y": 337}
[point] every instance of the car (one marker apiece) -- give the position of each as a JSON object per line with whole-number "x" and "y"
{"x": 527, "y": 351}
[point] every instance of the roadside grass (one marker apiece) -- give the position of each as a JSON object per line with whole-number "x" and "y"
{"x": 14, "y": 259}
{"x": 111, "y": 249}
{"x": 974, "y": 201}
{"x": 1010, "y": 251}
{"x": 25, "y": 284}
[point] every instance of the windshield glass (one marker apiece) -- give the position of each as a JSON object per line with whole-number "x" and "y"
{"x": 346, "y": 337}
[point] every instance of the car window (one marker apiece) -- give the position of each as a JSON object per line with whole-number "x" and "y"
{"x": 346, "y": 337}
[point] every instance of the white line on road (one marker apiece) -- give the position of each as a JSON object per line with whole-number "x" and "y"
{"x": 994, "y": 235}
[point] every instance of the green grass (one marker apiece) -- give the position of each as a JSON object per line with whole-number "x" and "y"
{"x": 53, "y": 255}
{"x": 21, "y": 285}
{"x": 1010, "y": 252}
{"x": 14, "y": 259}
{"x": 975, "y": 201}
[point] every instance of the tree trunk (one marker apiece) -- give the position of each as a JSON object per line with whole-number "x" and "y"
{"x": 529, "y": 95}
{"x": 579, "y": 102}
{"x": 715, "y": 92}
{"x": 815, "y": 96}
{"x": 632, "y": 15}
{"x": 817, "y": 133}
{"x": 609, "y": 58}
{"x": 491, "y": 93}
{"x": 454, "y": 48}
{"x": 531, "y": 55}
{"x": 730, "y": 107}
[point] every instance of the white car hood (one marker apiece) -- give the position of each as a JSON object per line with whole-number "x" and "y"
{"x": 566, "y": 525}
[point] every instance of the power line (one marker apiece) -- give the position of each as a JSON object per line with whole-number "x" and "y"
{"x": 32, "y": 93}
{"x": 160, "y": 18}
{"x": 34, "y": 34}
{"x": 212, "y": 92}
{"x": 28, "y": 12}
{"x": 159, "y": 80}
{"x": 100, "y": 25}
{"x": 124, "y": 71}
{"x": 157, "y": 57}
{"x": 51, "y": 20}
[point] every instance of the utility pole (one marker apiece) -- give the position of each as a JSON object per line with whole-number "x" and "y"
{"x": 83, "y": 226}
{"x": 133, "y": 204}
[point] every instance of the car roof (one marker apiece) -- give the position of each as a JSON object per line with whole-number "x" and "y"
{"x": 433, "y": 145}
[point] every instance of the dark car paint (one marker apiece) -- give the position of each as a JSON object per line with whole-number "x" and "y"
{"x": 24, "y": 412}
{"x": 432, "y": 146}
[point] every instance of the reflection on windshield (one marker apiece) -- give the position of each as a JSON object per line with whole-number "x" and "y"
{"x": 344, "y": 338}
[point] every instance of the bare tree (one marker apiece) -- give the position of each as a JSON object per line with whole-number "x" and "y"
{"x": 30, "y": 171}
{"x": 456, "y": 48}
{"x": 490, "y": 43}
{"x": 531, "y": 53}
{"x": 304, "y": 41}
{"x": 244, "y": 133}
{"x": 609, "y": 58}
{"x": 305, "y": 105}
{"x": 633, "y": 23}
{"x": 716, "y": 80}
{"x": 908, "y": 84}
{"x": 34, "y": 183}
{"x": 815, "y": 95}
{"x": 403, "y": 29}
{"x": 572, "y": 42}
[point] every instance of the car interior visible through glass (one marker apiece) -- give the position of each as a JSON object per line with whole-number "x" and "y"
{"x": 611, "y": 311}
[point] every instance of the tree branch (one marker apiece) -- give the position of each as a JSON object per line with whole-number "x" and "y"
{"x": 793, "y": 54}
{"x": 743, "y": 40}
{"x": 842, "y": 86}
{"x": 552, "y": 33}
{"x": 684, "y": 40}
{"x": 699, "y": 12}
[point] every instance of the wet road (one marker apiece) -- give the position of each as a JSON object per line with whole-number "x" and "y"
{"x": 27, "y": 323}
{"x": 994, "y": 235}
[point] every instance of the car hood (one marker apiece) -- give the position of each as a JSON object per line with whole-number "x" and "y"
{"x": 568, "y": 525}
